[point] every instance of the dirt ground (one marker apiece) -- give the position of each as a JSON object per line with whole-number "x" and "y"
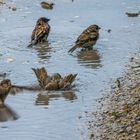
{"x": 118, "y": 117}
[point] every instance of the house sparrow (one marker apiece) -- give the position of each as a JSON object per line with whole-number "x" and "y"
{"x": 40, "y": 32}
{"x": 5, "y": 87}
{"x": 132, "y": 14}
{"x": 54, "y": 82}
{"x": 46, "y": 5}
{"x": 87, "y": 38}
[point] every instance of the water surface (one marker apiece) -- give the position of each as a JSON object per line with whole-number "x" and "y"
{"x": 57, "y": 115}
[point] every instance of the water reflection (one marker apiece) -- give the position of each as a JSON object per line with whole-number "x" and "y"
{"x": 7, "y": 113}
{"x": 44, "y": 98}
{"x": 2, "y": 75}
{"x": 43, "y": 51}
{"x": 90, "y": 59}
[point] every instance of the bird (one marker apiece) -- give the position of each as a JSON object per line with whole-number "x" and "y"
{"x": 54, "y": 82}
{"x": 132, "y": 14}
{"x": 46, "y": 5}
{"x": 87, "y": 38}
{"x": 40, "y": 32}
{"x": 5, "y": 87}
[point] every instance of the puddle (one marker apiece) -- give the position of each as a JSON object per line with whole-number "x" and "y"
{"x": 90, "y": 59}
{"x": 55, "y": 115}
{"x": 7, "y": 113}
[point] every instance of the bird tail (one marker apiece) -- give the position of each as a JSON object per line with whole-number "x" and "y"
{"x": 33, "y": 42}
{"x": 41, "y": 75}
{"x": 72, "y": 49}
{"x": 30, "y": 45}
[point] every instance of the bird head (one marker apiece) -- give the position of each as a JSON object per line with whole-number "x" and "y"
{"x": 96, "y": 27}
{"x": 6, "y": 84}
{"x": 43, "y": 19}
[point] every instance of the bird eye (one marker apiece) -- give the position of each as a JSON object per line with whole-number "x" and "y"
{"x": 38, "y": 24}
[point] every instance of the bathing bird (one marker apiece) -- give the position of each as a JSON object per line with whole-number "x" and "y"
{"x": 54, "y": 82}
{"x": 5, "y": 87}
{"x": 40, "y": 32}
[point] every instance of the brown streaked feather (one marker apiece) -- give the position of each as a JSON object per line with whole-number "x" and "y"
{"x": 3, "y": 94}
{"x": 53, "y": 85}
{"x": 5, "y": 87}
{"x": 41, "y": 75}
{"x": 16, "y": 88}
{"x": 54, "y": 82}
{"x": 40, "y": 32}
{"x": 82, "y": 39}
{"x": 67, "y": 81}
{"x": 87, "y": 38}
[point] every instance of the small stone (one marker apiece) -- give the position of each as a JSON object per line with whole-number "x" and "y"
{"x": 9, "y": 60}
{"x": 109, "y": 30}
{"x": 129, "y": 128}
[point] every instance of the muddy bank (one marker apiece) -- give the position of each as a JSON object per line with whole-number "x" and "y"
{"x": 118, "y": 116}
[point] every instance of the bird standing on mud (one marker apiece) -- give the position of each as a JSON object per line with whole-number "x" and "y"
{"x": 54, "y": 82}
{"x": 87, "y": 38}
{"x": 40, "y": 32}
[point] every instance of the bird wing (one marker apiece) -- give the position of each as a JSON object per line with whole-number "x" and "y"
{"x": 67, "y": 81}
{"x": 94, "y": 36}
{"x": 39, "y": 32}
{"x": 41, "y": 75}
{"x": 16, "y": 88}
{"x": 82, "y": 39}
{"x": 53, "y": 85}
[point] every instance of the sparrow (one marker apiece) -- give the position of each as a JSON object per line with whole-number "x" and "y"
{"x": 5, "y": 87}
{"x": 46, "y": 5}
{"x": 132, "y": 14}
{"x": 87, "y": 38}
{"x": 54, "y": 82}
{"x": 40, "y": 32}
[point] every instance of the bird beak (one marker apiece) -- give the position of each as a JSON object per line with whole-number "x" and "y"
{"x": 48, "y": 20}
{"x": 99, "y": 28}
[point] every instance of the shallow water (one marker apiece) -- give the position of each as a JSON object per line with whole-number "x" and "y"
{"x": 60, "y": 115}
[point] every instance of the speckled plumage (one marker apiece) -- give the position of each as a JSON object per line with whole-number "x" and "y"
{"x": 5, "y": 87}
{"x": 54, "y": 82}
{"x": 87, "y": 38}
{"x": 40, "y": 32}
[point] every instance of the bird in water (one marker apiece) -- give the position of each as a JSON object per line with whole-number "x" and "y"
{"x": 87, "y": 38}
{"x": 40, "y": 32}
{"x": 5, "y": 87}
{"x": 54, "y": 82}
{"x": 47, "y": 5}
